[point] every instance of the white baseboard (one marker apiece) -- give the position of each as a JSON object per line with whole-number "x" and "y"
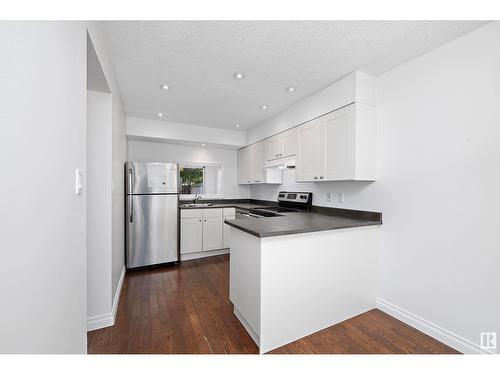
{"x": 116, "y": 300}
{"x": 204, "y": 254}
{"x": 439, "y": 333}
{"x": 107, "y": 320}
{"x": 100, "y": 321}
{"x": 250, "y": 331}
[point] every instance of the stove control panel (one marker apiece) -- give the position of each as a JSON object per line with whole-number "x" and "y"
{"x": 299, "y": 197}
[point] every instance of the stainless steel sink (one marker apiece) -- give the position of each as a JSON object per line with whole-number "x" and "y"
{"x": 187, "y": 205}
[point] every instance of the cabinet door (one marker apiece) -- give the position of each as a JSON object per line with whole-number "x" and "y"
{"x": 226, "y": 233}
{"x": 191, "y": 235}
{"x": 256, "y": 155}
{"x": 212, "y": 233}
{"x": 308, "y": 152}
{"x": 244, "y": 166}
{"x": 264, "y": 149}
{"x": 290, "y": 143}
{"x": 337, "y": 148}
{"x": 275, "y": 147}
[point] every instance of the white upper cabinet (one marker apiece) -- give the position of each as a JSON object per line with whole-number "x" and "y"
{"x": 336, "y": 141}
{"x": 275, "y": 147}
{"x": 289, "y": 142}
{"x": 257, "y": 156}
{"x": 340, "y": 145}
{"x": 251, "y": 163}
{"x": 244, "y": 166}
{"x": 282, "y": 145}
{"x": 337, "y": 145}
{"x": 308, "y": 167}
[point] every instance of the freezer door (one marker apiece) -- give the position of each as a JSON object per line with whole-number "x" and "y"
{"x": 152, "y": 234}
{"x": 151, "y": 178}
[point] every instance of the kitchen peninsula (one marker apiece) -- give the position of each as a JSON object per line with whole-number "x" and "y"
{"x": 295, "y": 274}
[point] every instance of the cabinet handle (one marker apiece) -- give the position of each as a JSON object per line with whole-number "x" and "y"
{"x": 320, "y": 177}
{"x": 199, "y": 220}
{"x": 315, "y": 177}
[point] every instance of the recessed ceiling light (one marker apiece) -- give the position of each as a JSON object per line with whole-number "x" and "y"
{"x": 164, "y": 86}
{"x": 237, "y": 125}
{"x": 291, "y": 89}
{"x": 203, "y": 144}
{"x": 263, "y": 106}
{"x": 159, "y": 114}
{"x": 238, "y": 75}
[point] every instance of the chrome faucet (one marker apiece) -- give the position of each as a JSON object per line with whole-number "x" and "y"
{"x": 197, "y": 198}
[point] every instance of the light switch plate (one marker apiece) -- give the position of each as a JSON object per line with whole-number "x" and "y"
{"x": 78, "y": 182}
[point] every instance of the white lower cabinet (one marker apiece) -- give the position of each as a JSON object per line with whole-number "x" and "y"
{"x": 191, "y": 235}
{"x": 212, "y": 233}
{"x": 203, "y": 231}
{"x": 226, "y": 232}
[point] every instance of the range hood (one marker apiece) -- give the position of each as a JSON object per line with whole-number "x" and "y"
{"x": 281, "y": 163}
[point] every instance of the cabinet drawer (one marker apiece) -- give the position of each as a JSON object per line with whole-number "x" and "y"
{"x": 212, "y": 212}
{"x": 229, "y": 211}
{"x": 191, "y": 213}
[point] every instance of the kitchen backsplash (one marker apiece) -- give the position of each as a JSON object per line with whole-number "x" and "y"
{"x": 356, "y": 194}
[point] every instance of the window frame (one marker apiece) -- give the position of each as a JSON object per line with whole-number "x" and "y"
{"x": 196, "y": 164}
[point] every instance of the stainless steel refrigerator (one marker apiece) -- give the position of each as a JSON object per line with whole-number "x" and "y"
{"x": 151, "y": 206}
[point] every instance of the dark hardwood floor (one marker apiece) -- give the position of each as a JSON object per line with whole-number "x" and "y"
{"x": 186, "y": 309}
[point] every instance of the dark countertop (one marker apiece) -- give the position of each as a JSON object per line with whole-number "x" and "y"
{"x": 297, "y": 222}
{"x": 245, "y": 204}
{"x": 320, "y": 219}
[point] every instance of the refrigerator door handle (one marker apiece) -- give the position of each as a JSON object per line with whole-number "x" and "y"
{"x": 130, "y": 209}
{"x": 130, "y": 185}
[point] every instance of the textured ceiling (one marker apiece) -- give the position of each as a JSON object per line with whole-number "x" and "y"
{"x": 197, "y": 60}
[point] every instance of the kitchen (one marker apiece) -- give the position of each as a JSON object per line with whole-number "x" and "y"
{"x": 272, "y": 206}
{"x": 237, "y": 189}
{"x": 340, "y": 145}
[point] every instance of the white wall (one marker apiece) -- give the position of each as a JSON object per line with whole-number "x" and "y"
{"x": 119, "y": 156}
{"x": 143, "y": 150}
{"x": 43, "y": 270}
{"x": 173, "y": 131}
{"x": 42, "y": 226}
{"x": 437, "y": 186}
{"x": 99, "y": 201}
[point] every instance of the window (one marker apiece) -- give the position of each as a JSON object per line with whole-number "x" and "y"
{"x": 201, "y": 178}
{"x": 192, "y": 180}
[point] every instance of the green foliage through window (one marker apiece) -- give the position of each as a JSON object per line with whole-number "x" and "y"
{"x": 191, "y": 180}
